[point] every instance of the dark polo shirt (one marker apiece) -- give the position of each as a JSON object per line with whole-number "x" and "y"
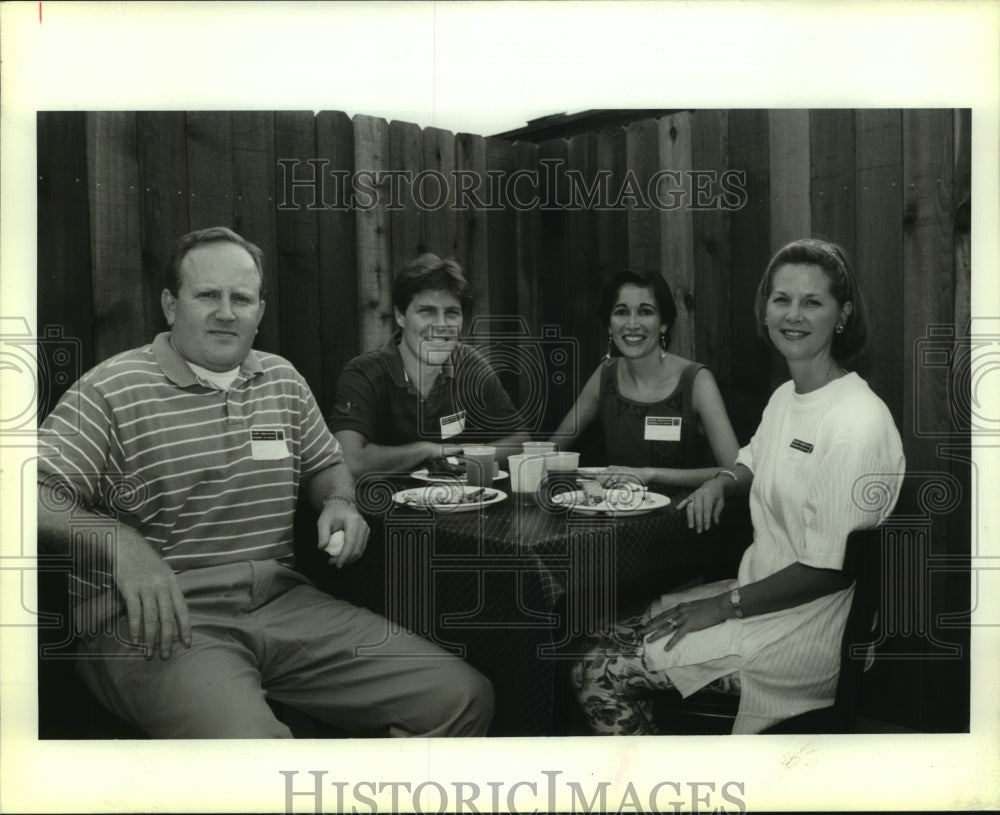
{"x": 376, "y": 398}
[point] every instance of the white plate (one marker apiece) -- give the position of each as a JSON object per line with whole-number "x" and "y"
{"x": 446, "y": 497}
{"x": 592, "y": 471}
{"x": 422, "y": 475}
{"x": 638, "y": 503}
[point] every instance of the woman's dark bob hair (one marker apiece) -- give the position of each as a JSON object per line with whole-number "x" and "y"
{"x": 644, "y": 280}
{"x": 836, "y": 263}
{"x": 428, "y": 272}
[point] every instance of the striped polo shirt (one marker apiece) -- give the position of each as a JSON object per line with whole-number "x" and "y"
{"x": 208, "y": 476}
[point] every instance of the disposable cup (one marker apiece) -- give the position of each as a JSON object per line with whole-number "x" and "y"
{"x": 480, "y": 465}
{"x": 525, "y": 473}
{"x": 538, "y": 447}
{"x": 562, "y": 462}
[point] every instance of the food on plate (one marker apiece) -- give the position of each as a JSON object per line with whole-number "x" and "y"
{"x": 438, "y": 496}
{"x": 593, "y": 492}
{"x": 445, "y": 467}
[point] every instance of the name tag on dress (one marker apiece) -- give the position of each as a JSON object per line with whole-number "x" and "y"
{"x": 452, "y": 425}
{"x": 268, "y": 445}
{"x": 663, "y": 428}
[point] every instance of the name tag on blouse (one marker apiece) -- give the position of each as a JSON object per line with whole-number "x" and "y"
{"x": 268, "y": 445}
{"x": 452, "y": 425}
{"x": 663, "y": 428}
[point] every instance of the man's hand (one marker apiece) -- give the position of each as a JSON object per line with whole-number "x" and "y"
{"x": 154, "y": 604}
{"x": 704, "y": 505}
{"x": 343, "y": 532}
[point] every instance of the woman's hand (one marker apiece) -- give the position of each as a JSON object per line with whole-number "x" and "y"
{"x": 704, "y": 505}
{"x": 616, "y": 474}
{"x": 687, "y": 617}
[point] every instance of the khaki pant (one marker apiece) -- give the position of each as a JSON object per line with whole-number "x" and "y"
{"x": 261, "y": 630}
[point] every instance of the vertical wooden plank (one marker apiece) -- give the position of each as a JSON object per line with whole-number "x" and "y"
{"x": 528, "y": 237}
{"x": 963, "y": 218}
{"x": 832, "y": 170}
{"x": 552, "y": 266}
{"x": 374, "y": 240}
{"x": 788, "y": 144}
{"x": 583, "y": 282}
{"x": 713, "y": 278}
{"x": 210, "y": 169}
{"x": 163, "y": 193}
{"x": 611, "y": 224}
{"x": 677, "y": 231}
{"x": 338, "y": 266}
{"x": 929, "y": 286}
{"x": 406, "y": 154}
{"x": 501, "y": 229}
{"x": 471, "y": 226}
{"x": 255, "y": 208}
{"x": 879, "y": 253}
{"x": 297, "y": 258}
{"x": 928, "y": 325}
{"x": 113, "y": 181}
{"x": 642, "y": 141}
{"x": 65, "y": 293}
{"x": 750, "y": 250}
{"x": 432, "y": 192}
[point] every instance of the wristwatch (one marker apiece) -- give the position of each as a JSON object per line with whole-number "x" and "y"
{"x": 734, "y": 601}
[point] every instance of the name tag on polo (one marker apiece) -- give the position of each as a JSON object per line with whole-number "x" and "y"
{"x": 801, "y": 446}
{"x": 663, "y": 428}
{"x": 268, "y": 445}
{"x": 452, "y": 425}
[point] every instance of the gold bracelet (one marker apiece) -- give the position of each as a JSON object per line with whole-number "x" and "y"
{"x": 343, "y": 498}
{"x": 730, "y": 473}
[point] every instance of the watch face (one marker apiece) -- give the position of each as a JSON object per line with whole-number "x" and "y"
{"x": 734, "y": 599}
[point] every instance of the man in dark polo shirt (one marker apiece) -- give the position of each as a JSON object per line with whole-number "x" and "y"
{"x": 424, "y": 394}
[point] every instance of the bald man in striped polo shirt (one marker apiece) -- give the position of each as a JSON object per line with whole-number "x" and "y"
{"x": 191, "y": 453}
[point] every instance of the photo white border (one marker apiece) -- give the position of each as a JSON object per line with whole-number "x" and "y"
{"x": 453, "y": 65}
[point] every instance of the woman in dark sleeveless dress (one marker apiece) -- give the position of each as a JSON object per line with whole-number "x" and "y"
{"x": 662, "y": 415}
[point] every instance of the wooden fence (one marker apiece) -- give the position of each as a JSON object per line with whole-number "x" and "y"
{"x": 115, "y": 189}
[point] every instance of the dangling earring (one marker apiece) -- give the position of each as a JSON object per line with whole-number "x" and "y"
{"x": 607, "y": 354}
{"x": 663, "y": 344}
{"x": 765, "y": 322}
{"x": 839, "y": 328}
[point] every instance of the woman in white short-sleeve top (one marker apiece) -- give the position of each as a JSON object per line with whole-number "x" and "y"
{"x": 773, "y": 634}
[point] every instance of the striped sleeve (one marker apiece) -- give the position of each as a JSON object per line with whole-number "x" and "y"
{"x": 319, "y": 448}
{"x": 74, "y": 442}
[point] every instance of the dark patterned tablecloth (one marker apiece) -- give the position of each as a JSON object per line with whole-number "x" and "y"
{"x": 513, "y": 587}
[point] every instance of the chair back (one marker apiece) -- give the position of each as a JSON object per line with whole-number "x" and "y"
{"x": 863, "y": 562}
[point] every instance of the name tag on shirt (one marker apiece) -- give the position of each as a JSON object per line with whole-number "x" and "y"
{"x": 663, "y": 428}
{"x": 452, "y": 425}
{"x": 801, "y": 446}
{"x": 268, "y": 445}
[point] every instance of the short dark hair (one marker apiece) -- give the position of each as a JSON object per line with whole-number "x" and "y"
{"x": 428, "y": 272}
{"x": 645, "y": 280}
{"x": 203, "y": 237}
{"x": 839, "y": 270}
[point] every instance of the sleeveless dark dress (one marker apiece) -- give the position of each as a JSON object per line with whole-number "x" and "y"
{"x": 623, "y": 421}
